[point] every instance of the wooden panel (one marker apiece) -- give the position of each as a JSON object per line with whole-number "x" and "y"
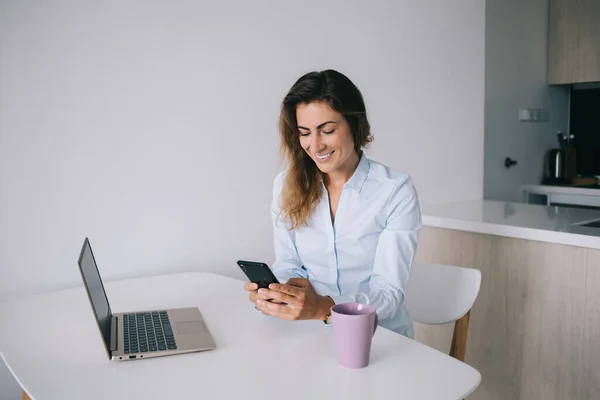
{"x": 496, "y": 327}
{"x": 573, "y": 41}
{"x": 557, "y": 63}
{"x": 476, "y": 251}
{"x": 553, "y": 353}
{"x": 562, "y": 42}
{"x": 24, "y": 396}
{"x": 532, "y": 330}
{"x": 439, "y": 245}
{"x": 591, "y": 339}
{"x": 589, "y": 41}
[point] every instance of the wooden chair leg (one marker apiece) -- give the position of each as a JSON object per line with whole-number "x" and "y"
{"x": 24, "y": 396}
{"x": 459, "y": 338}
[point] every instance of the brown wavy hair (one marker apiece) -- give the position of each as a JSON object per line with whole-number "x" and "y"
{"x": 302, "y": 188}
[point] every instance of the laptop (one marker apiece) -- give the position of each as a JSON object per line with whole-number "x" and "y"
{"x": 142, "y": 334}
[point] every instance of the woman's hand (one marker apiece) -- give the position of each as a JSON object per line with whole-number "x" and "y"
{"x": 295, "y": 300}
{"x": 252, "y": 288}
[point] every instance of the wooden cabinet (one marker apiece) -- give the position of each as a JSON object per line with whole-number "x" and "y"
{"x": 573, "y": 41}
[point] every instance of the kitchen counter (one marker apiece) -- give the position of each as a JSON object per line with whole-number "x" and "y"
{"x": 536, "y": 314}
{"x": 583, "y": 190}
{"x": 561, "y": 195}
{"x": 561, "y": 225}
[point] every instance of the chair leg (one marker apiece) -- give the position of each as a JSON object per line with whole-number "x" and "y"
{"x": 24, "y": 396}
{"x": 459, "y": 338}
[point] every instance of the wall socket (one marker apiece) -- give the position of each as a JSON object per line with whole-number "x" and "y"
{"x": 533, "y": 114}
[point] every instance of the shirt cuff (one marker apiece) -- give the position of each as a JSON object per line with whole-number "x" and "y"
{"x": 338, "y": 300}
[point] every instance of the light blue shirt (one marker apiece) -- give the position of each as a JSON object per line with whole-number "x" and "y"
{"x": 365, "y": 256}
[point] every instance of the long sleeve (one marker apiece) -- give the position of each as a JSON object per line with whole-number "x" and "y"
{"x": 394, "y": 255}
{"x": 287, "y": 262}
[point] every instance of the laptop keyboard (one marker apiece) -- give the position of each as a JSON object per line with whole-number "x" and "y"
{"x": 147, "y": 332}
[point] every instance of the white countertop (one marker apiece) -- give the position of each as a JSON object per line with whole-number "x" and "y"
{"x": 517, "y": 220}
{"x": 561, "y": 189}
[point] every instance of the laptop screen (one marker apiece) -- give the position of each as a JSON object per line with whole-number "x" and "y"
{"x": 95, "y": 289}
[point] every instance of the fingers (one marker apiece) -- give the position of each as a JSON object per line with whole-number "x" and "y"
{"x": 252, "y": 288}
{"x": 282, "y": 301}
{"x": 287, "y": 289}
{"x": 253, "y": 296}
{"x": 278, "y": 297}
{"x": 282, "y": 311}
{"x": 298, "y": 282}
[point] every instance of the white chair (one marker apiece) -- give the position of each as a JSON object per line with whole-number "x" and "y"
{"x": 441, "y": 294}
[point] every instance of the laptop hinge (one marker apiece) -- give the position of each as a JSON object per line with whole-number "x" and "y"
{"x": 114, "y": 339}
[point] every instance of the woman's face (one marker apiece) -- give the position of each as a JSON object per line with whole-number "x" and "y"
{"x": 326, "y": 137}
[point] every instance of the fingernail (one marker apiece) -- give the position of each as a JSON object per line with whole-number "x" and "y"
{"x": 261, "y": 291}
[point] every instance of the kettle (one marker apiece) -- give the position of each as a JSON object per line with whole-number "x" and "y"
{"x": 556, "y": 164}
{"x": 559, "y": 166}
{"x": 554, "y": 170}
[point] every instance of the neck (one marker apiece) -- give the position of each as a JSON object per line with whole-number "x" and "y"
{"x": 341, "y": 175}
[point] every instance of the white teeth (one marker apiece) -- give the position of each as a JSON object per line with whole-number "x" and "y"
{"x": 324, "y": 156}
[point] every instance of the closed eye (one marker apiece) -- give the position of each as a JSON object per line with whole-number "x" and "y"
{"x": 304, "y": 134}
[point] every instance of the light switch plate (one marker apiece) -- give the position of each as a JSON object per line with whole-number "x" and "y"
{"x": 533, "y": 114}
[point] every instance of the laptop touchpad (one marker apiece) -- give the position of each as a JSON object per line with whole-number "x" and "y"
{"x": 189, "y": 327}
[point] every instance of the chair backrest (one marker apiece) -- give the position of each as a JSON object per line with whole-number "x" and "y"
{"x": 440, "y": 294}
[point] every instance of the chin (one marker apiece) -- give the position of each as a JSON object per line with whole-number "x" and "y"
{"x": 327, "y": 168}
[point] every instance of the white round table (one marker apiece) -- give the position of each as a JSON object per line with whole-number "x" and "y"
{"x": 53, "y": 347}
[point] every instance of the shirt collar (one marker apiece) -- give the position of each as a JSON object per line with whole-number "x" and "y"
{"x": 359, "y": 177}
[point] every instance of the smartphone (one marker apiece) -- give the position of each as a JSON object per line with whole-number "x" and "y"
{"x": 258, "y": 272}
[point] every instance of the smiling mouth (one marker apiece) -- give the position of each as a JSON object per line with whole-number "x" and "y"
{"x": 324, "y": 156}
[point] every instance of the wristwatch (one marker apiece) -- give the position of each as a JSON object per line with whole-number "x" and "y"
{"x": 327, "y": 319}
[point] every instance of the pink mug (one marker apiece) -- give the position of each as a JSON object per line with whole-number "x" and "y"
{"x": 354, "y": 325}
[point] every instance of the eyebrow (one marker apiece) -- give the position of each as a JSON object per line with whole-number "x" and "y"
{"x": 320, "y": 126}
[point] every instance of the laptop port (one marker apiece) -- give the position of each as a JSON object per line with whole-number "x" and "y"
{"x": 130, "y": 357}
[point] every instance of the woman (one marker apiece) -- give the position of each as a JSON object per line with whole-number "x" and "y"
{"x": 345, "y": 227}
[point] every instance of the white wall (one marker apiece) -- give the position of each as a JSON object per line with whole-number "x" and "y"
{"x": 515, "y": 76}
{"x": 150, "y": 126}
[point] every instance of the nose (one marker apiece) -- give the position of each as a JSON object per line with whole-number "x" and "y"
{"x": 317, "y": 142}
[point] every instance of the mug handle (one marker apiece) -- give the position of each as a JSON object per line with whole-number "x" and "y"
{"x": 376, "y": 323}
